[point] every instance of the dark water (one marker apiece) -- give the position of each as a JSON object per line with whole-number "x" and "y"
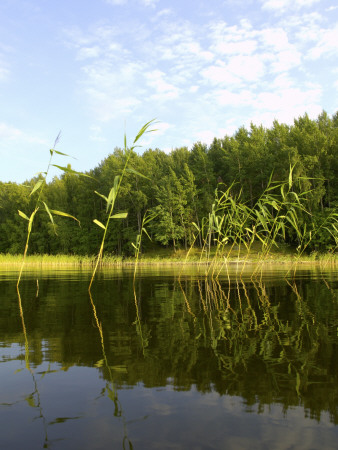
{"x": 169, "y": 362}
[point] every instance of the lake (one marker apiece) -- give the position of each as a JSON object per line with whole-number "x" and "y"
{"x": 173, "y": 359}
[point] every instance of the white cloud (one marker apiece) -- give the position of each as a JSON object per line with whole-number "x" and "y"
{"x": 245, "y": 47}
{"x": 286, "y": 60}
{"x": 232, "y": 40}
{"x": 160, "y": 130}
{"x": 163, "y": 89}
{"x": 96, "y": 134}
{"x": 239, "y": 69}
{"x": 331, "y": 8}
{"x": 89, "y": 52}
{"x": 282, "y": 5}
{"x": 193, "y": 89}
{"x": 9, "y": 132}
{"x": 282, "y": 81}
{"x": 248, "y": 54}
{"x": 162, "y": 127}
{"x": 287, "y": 104}
{"x": 151, "y": 3}
{"x": 116, "y": 2}
{"x": 276, "y": 38}
{"x": 228, "y": 131}
{"x": 201, "y": 72}
{"x": 107, "y": 105}
{"x": 225, "y": 97}
{"x": 249, "y": 68}
{"x": 164, "y": 12}
{"x": 108, "y": 89}
{"x": 179, "y": 44}
{"x": 326, "y": 44}
{"x": 220, "y": 75}
{"x": 205, "y": 136}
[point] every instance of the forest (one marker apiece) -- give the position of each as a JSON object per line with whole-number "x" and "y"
{"x": 177, "y": 193}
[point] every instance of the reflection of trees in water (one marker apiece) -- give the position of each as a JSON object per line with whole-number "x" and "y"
{"x": 252, "y": 339}
{"x": 268, "y": 341}
{"x": 260, "y": 353}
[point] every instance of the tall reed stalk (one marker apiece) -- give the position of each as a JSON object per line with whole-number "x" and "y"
{"x": 110, "y": 200}
{"x": 39, "y": 188}
{"x": 148, "y": 217}
{"x": 233, "y": 222}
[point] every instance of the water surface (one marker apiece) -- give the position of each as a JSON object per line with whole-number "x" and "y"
{"x": 169, "y": 360}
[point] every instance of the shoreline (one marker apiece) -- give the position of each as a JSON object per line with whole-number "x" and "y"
{"x": 88, "y": 262}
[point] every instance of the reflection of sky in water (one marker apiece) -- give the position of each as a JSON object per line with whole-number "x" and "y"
{"x": 213, "y": 421}
{"x": 77, "y": 415}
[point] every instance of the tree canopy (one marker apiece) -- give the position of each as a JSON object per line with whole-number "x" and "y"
{"x": 179, "y": 189}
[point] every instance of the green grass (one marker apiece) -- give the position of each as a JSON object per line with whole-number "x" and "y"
{"x": 166, "y": 256}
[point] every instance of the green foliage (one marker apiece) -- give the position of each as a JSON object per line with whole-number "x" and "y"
{"x": 179, "y": 187}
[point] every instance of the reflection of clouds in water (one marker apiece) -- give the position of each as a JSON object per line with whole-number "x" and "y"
{"x": 162, "y": 409}
{"x": 267, "y": 428}
{"x": 212, "y": 421}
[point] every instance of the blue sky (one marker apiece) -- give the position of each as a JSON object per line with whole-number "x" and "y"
{"x": 203, "y": 68}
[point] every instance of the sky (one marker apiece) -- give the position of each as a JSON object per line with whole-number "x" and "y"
{"x": 96, "y": 69}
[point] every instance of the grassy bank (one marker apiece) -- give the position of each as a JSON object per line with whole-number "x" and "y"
{"x": 168, "y": 256}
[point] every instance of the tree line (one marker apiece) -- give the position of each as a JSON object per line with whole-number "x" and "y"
{"x": 178, "y": 191}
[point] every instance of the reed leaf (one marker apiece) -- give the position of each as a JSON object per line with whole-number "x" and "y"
{"x": 52, "y": 150}
{"x": 102, "y": 196}
{"x": 131, "y": 170}
{"x": 71, "y": 171}
{"x": 37, "y": 185}
{"x": 49, "y": 213}
{"x": 23, "y": 215}
{"x": 61, "y": 213}
{"x": 146, "y": 232}
{"x": 122, "y": 215}
{"x": 144, "y": 130}
{"x": 50, "y": 216}
{"x": 113, "y": 193}
{"x": 100, "y": 224}
{"x": 30, "y": 222}
{"x": 38, "y": 173}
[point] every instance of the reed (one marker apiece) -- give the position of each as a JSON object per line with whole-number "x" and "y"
{"x": 38, "y": 189}
{"x": 234, "y": 226}
{"x": 110, "y": 200}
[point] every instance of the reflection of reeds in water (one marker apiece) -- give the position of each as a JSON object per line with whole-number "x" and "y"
{"x": 245, "y": 323}
{"x": 110, "y": 388}
{"x": 23, "y": 329}
{"x": 33, "y": 399}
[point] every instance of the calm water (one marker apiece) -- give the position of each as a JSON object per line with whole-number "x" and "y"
{"x": 169, "y": 362}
